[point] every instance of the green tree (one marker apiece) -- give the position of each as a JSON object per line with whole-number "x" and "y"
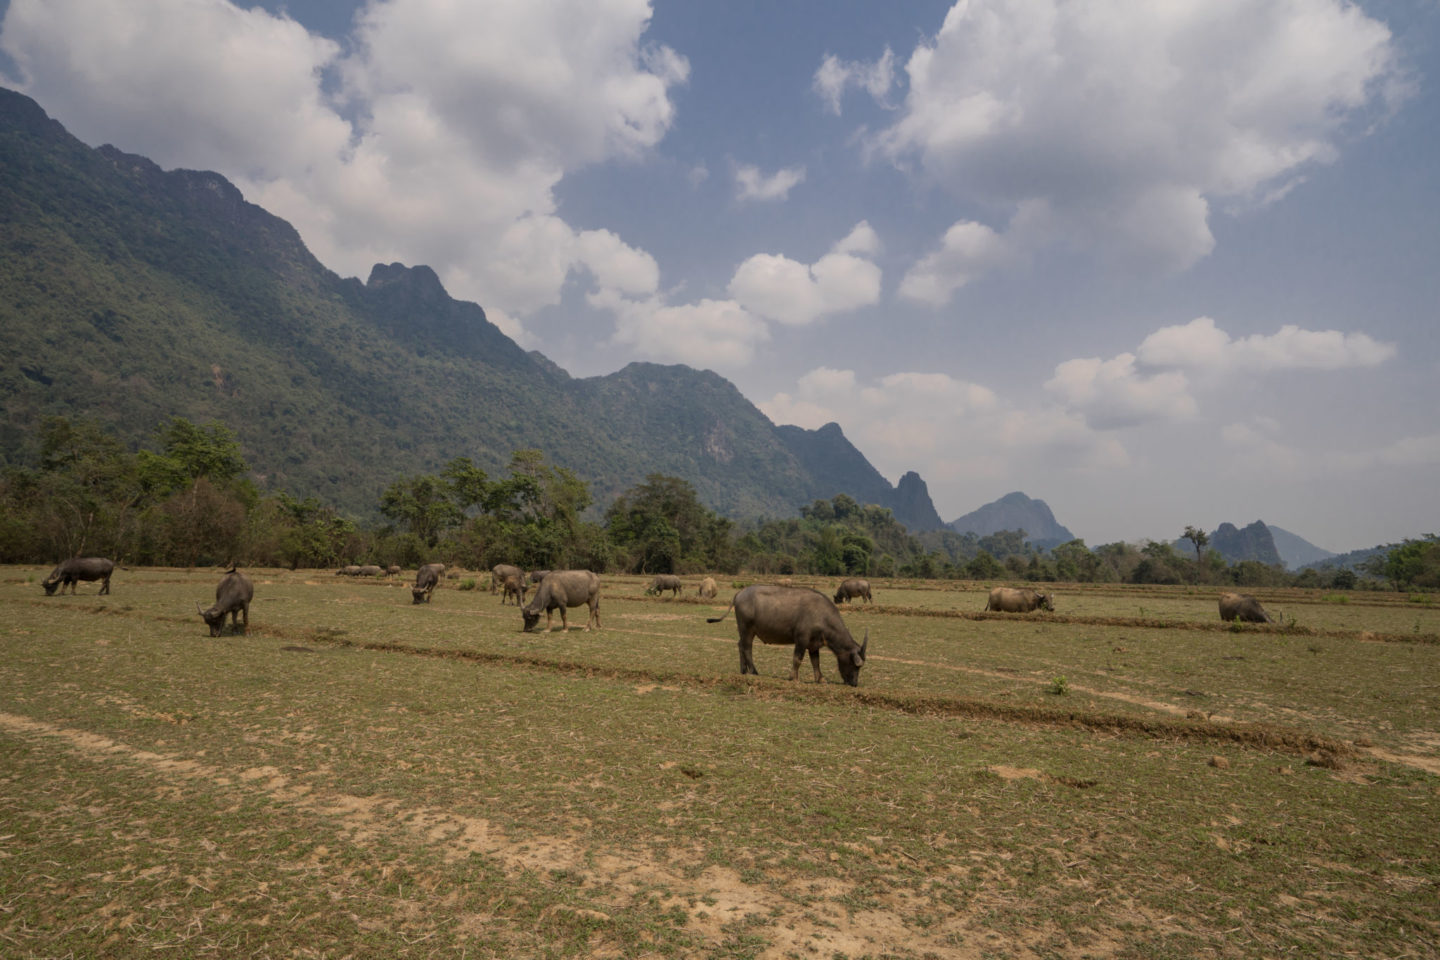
{"x": 422, "y": 505}
{"x": 1414, "y": 563}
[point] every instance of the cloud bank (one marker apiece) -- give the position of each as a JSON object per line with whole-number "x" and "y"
{"x": 1117, "y": 127}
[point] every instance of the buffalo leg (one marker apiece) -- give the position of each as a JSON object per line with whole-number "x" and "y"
{"x": 105, "y": 585}
{"x": 747, "y": 656}
{"x": 795, "y": 662}
{"x": 815, "y": 664}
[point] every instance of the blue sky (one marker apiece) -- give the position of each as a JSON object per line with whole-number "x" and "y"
{"x": 1157, "y": 264}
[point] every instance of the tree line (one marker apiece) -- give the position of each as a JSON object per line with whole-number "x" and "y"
{"x": 189, "y": 501}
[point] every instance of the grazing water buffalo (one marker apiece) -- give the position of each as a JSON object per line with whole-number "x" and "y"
{"x": 232, "y": 595}
{"x": 854, "y": 587}
{"x": 499, "y": 572}
{"x": 1242, "y": 606}
{"x": 663, "y": 582}
{"x": 562, "y": 589}
{"x": 71, "y": 571}
{"x": 349, "y": 570}
{"x": 513, "y": 587}
{"x": 537, "y": 575}
{"x": 393, "y": 570}
{"x": 795, "y": 615}
{"x": 426, "y": 579}
{"x": 1018, "y": 600}
{"x": 371, "y": 570}
{"x": 707, "y": 588}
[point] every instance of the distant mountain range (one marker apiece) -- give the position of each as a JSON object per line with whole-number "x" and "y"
{"x": 1015, "y": 511}
{"x": 132, "y": 295}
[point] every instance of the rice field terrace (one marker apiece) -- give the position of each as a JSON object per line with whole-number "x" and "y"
{"x": 364, "y": 777}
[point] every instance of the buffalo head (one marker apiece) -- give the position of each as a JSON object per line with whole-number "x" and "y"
{"x": 850, "y": 663}
{"x": 530, "y": 619}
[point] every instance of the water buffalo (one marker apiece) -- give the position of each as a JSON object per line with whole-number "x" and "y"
{"x": 799, "y": 616}
{"x": 370, "y": 570}
{"x": 393, "y": 570}
{"x": 562, "y": 589}
{"x": 499, "y": 572}
{"x": 71, "y": 571}
{"x": 537, "y": 575}
{"x": 854, "y": 587}
{"x": 1242, "y": 606}
{"x": 663, "y": 582}
{"x": 426, "y": 579}
{"x": 513, "y": 587}
{"x": 232, "y": 595}
{"x": 349, "y": 570}
{"x": 707, "y": 588}
{"x": 1018, "y": 600}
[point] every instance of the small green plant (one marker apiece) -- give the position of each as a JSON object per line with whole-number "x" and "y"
{"x": 1059, "y": 686}
{"x": 1336, "y": 598}
{"x": 467, "y": 584}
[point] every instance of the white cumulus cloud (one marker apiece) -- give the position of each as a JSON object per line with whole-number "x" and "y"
{"x": 834, "y": 76}
{"x": 948, "y": 429}
{"x": 1201, "y": 344}
{"x": 1113, "y": 393}
{"x": 706, "y": 334}
{"x": 1126, "y": 122}
{"x": 793, "y": 293}
{"x": 751, "y": 184}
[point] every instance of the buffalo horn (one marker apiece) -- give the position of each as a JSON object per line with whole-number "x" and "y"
{"x": 864, "y": 643}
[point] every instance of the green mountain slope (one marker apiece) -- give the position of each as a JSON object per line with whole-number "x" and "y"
{"x": 131, "y": 295}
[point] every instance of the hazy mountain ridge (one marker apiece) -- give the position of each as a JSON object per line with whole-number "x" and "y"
{"x": 130, "y": 294}
{"x": 1015, "y": 511}
{"x": 1295, "y": 551}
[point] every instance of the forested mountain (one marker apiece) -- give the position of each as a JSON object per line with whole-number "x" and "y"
{"x": 1253, "y": 542}
{"x": 131, "y": 295}
{"x": 1015, "y": 511}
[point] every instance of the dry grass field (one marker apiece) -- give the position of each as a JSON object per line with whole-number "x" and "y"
{"x": 362, "y": 777}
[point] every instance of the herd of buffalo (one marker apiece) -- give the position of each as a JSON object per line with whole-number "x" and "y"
{"x": 773, "y": 613}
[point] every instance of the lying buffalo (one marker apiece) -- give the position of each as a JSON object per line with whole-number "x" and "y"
{"x": 562, "y": 589}
{"x": 426, "y": 579}
{"x": 71, "y": 571}
{"x": 1242, "y": 606}
{"x": 805, "y": 618}
{"x": 663, "y": 582}
{"x": 232, "y": 595}
{"x": 707, "y": 588}
{"x": 1019, "y": 600}
{"x": 499, "y": 572}
{"x": 854, "y": 587}
{"x": 513, "y": 587}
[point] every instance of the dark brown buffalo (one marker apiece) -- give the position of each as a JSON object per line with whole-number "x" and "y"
{"x": 499, "y": 572}
{"x": 71, "y": 571}
{"x": 426, "y": 579}
{"x": 854, "y": 587}
{"x": 513, "y": 587}
{"x": 807, "y": 619}
{"x": 663, "y": 582}
{"x": 232, "y": 595}
{"x": 1242, "y": 606}
{"x": 559, "y": 590}
{"x": 1018, "y": 600}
